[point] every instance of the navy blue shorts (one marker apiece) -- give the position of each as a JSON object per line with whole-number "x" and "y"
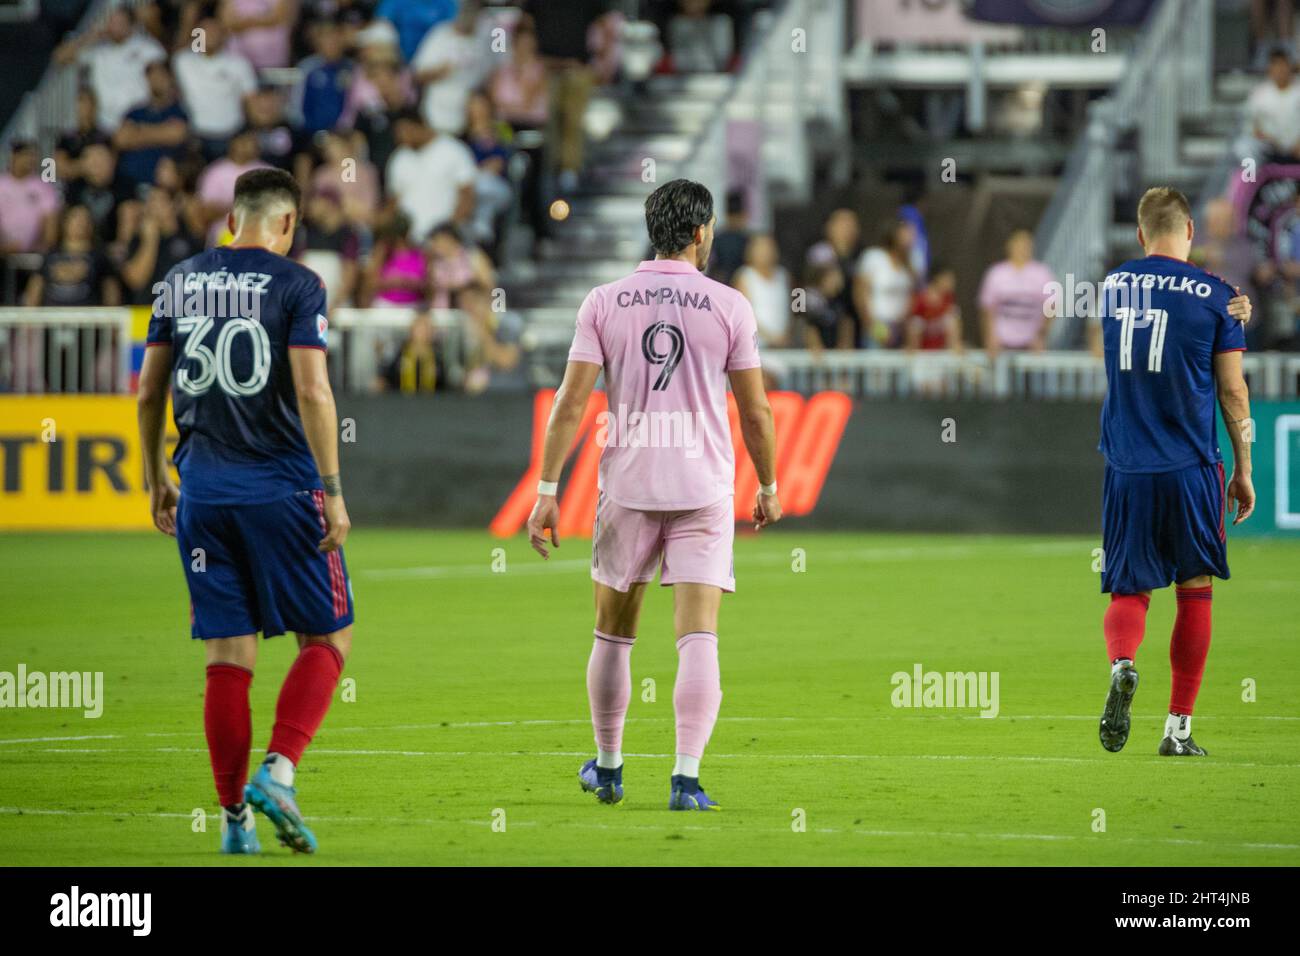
{"x": 1162, "y": 528}
{"x": 259, "y": 569}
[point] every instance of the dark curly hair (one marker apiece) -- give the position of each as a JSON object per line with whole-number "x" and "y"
{"x": 673, "y": 212}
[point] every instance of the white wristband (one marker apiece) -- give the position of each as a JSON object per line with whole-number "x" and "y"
{"x": 548, "y": 488}
{"x": 767, "y": 489}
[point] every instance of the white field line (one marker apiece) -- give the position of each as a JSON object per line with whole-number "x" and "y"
{"x": 877, "y": 554}
{"x": 901, "y": 834}
{"x": 582, "y": 754}
{"x": 580, "y": 721}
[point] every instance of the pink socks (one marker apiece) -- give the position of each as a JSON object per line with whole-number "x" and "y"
{"x": 609, "y": 689}
{"x": 698, "y": 693}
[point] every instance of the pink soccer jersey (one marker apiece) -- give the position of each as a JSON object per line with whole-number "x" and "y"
{"x": 667, "y": 336}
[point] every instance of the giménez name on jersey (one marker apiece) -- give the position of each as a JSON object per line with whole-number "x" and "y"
{"x": 222, "y": 294}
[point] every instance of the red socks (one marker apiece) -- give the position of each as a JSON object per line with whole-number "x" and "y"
{"x": 1125, "y": 625}
{"x": 228, "y": 723}
{"x": 304, "y": 699}
{"x": 1189, "y": 647}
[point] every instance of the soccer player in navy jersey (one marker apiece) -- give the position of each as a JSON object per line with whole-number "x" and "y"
{"x": 238, "y": 335}
{"x": 1173, "y": 345}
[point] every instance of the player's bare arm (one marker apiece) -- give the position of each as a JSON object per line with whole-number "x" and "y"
{"x": 151, "y": 412}
{"x": 566, "y": 415}
{"x": 760, "y": 440}
{"x": 320, "y": 424}
{"x": 1234, "y": 400}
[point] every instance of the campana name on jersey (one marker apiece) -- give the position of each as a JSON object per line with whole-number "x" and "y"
{"x": 222, "y": 294}
{"x": 665, "y": 295}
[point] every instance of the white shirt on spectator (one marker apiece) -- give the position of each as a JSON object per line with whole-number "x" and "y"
{"x": 427, "y": 181}
{"x": 117, "y": 75}
{"x": 470, "y": 59}
{"x": 770, "y": 299}
{"x": 1276, "y": 112}
{"x": 891, "y": 286}
{"x": 213, "y": 88}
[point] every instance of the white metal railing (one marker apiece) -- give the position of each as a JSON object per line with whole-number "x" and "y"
{"x": 89, "y": 350}
{"x": 1168, "y": 78}
{"x": 65, "y": 350}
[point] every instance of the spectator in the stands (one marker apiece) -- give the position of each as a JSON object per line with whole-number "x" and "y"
{"x": 415, "y": 18}
{"x": 731, "y": 239}
{"x": 29, "y": 205}
{"x": 157, "y": 128}
{"x": 1015, "y": 311}
{"x": 330, "y": 245}
{"x": 76, "y": 272}
{"x": 1272, "y": 22}
{"x": 912, "y": 211}
{"x": 115, "y": 54}
{"x": 376, "y": 51}
{"x": 453, "y": 60}
{"x": 324, "y": 79}
{"x": 277, "y": 143}
{"x": 396, "y": 273}
{"x": 215, "y": 83}
{"x": 492, "y": 352}
{"x": 935, "y": 322}
{"x": 430, "y": 175}
{"x": 486, "y": 137}
{"x": 699, "y": 38}
{"x": 562, "y": 41}
{"x": 884, "y": 284}
{"x": 454, "y": 265}
{"x": 377, "y": 123}
{"x": 764, "y": 282}
{"x": 840, "y": 248}
{"x": 416, "y": 367}
{"x": 259, "y": 29}
{"x": 100, "y": 190}
{"x": 216, "y": 186}
{"x": 67, "y": 151}
{"x": 519, "y": 87}
{"x": 352, "y": 180}
{"x": 1274, "y": 108}
{"x": 827, "y": 323}
{"x": 161, "y": 241}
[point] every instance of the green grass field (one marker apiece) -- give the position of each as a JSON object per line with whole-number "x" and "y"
{"x": 470, "y": 708}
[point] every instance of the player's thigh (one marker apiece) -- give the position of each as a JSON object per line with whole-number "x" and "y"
{"x": 698, "y": 546}
{"x": 1197, "y": 524}
{"x": 1135, "y": 555}
{"x": 223, "y": 598}
{"x": 340, "y": 640}
{"x": 240, "y": 651}
{"x": 626, "y": 545}
{"x": 618, "y": 613}
{"x": 300, "y": 588}
{"x": 695, "y": 608}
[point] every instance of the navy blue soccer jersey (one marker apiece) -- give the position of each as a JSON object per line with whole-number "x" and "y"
{"x": 1162, "y": 322}
{"x": 231, "y": 317}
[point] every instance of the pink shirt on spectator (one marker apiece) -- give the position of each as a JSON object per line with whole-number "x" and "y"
{"x": 1016, "y": 297}
{"x": 405, "y": 263}
{"x": 24, "y": 206}
{"x": 666, "y": 336}
{"x": 264, "y": 47}
{"x": 509, "y": 93}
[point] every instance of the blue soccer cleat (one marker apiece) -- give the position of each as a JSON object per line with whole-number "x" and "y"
{"x": 687, "y": 794}
{"x": 607, "y": 785}
{"x": 237, "y": 833}
{"x": 278, "y": 803}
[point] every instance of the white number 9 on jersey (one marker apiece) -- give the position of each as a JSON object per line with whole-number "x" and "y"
{"x": 213, "y": 364}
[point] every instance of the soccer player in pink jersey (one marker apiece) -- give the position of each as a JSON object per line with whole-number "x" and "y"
{"x": 669, "y": 340}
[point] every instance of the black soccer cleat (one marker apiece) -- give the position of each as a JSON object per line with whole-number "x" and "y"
{"x": 1171, "y": 746}
{"x": 1115, "y": 718}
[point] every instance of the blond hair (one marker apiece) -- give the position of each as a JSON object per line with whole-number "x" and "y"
{"x": 1162, "y": 210}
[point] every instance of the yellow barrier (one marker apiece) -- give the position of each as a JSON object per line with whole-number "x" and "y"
{"x": 72, "y": 462}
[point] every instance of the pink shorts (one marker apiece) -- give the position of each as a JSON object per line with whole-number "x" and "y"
{"x": 692, "y": 547}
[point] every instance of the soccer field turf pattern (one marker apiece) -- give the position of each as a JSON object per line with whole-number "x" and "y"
{"x": 470, "y": 716}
